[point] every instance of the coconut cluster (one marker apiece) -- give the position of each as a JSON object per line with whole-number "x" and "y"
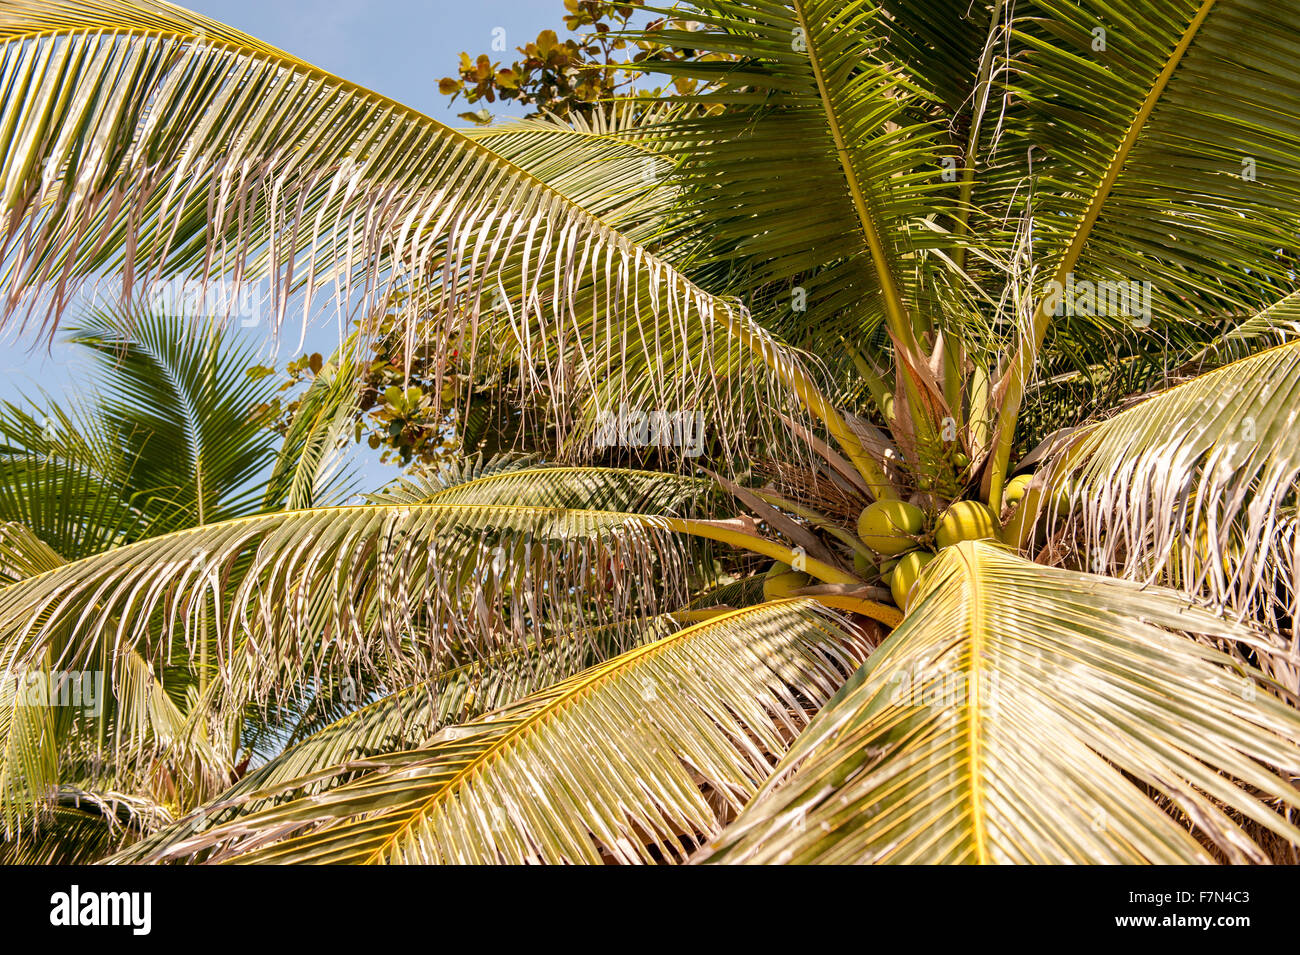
{"x": 902, "y": 538}
{"x": 900, "y": 534}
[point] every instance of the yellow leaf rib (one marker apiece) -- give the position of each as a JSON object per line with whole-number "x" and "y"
{"x": 895, "y": 309}
{"x": 565, "y": 694}
{"x": 973, "y": 703}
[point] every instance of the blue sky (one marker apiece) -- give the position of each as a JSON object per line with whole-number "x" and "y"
{"x": 400, "y": 48}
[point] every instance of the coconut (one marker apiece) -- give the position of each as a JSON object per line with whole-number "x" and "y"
{"x": 1061, "y": 501}
{"x": 862, "y": 564}
{"x": 1015, "y": 490}
{"x": 888, "y": 527}
{"x": 904, "y": 576}
{"x": 1020, "y": 524}
{"x": 887, "y": 403}
{"x": 1058, "y": 500}
{"x": 965, "y": 521}
{"x": 781, "y": 581}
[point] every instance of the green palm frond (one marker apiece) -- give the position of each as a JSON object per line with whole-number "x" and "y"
{"x": 279, "y": 596}
{"x": 404, "y": 719}
{"x": 1028, "y": 714}
{"x": 175, "y": 389}
{"x": 424, "y": 486}
{"x": 1144, "y": 169}
{"x": 158, "y": 725}
{"x": 637, "y": 758}
{"x": 172, "y": 437}
{"x": 29, "y": 730}
{"x": 268, "y": 167}
{"x": 1278, "y": 323}
{"x": 308, "y": 470}
{"x": 1197, "y": 486}
{"x": 24, "y": 554}
{"x": 64, "y": 474}
{"x": 941, "y": 42}
{"x": 1144, "y": 148}
{"x": 818, "y": 173}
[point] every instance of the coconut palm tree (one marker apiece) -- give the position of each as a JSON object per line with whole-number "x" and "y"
{"x": 989, "y": 308}
{"x": 176, "y": 437}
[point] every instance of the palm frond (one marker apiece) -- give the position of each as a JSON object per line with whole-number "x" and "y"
{"x": 1275, "y": 325}
{"x": 64, "y": 474}
{"x": 941, "y": 43}
{"x": 612, "y": 164}
{"x": 174, "y": 388}
{"x": 817, "y": 174}
{"x": 127, "y": 737}
{"x": 1029, "y": 714}
{"x": 741, "y": 593}
{"x": 404, "y": 719}
{"x": 282, "y": 595}
{"x": 266, "y": 167}
{"x": 308, "y": 467}
{"x": 1143, "y": 170}
{"x": 83, "y": 827}
{"x": 29, "y": 747}
{"x": 524, "y": 481}
{"x": 611, "y": 762}
{"x": 1148, "y": 197}
{"x": 1196, "y": 486}
{"x": 24, "y": 554}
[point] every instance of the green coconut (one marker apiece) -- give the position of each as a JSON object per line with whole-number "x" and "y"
{"x": 1020, "y": 525}
{"x": 1015, "y": 490}
{"x": 1061, "y": 501}
{"x": 1057, "y": 503}
{"x": 904, "y": 575}
{"x": 965, "y": 521}
{"x": 888, "y": 527}
{"x": 781, "y": 581}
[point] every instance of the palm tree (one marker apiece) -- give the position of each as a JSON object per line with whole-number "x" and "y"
{"x": 1005, "y": 293}
{"x": 177, "y": 438}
